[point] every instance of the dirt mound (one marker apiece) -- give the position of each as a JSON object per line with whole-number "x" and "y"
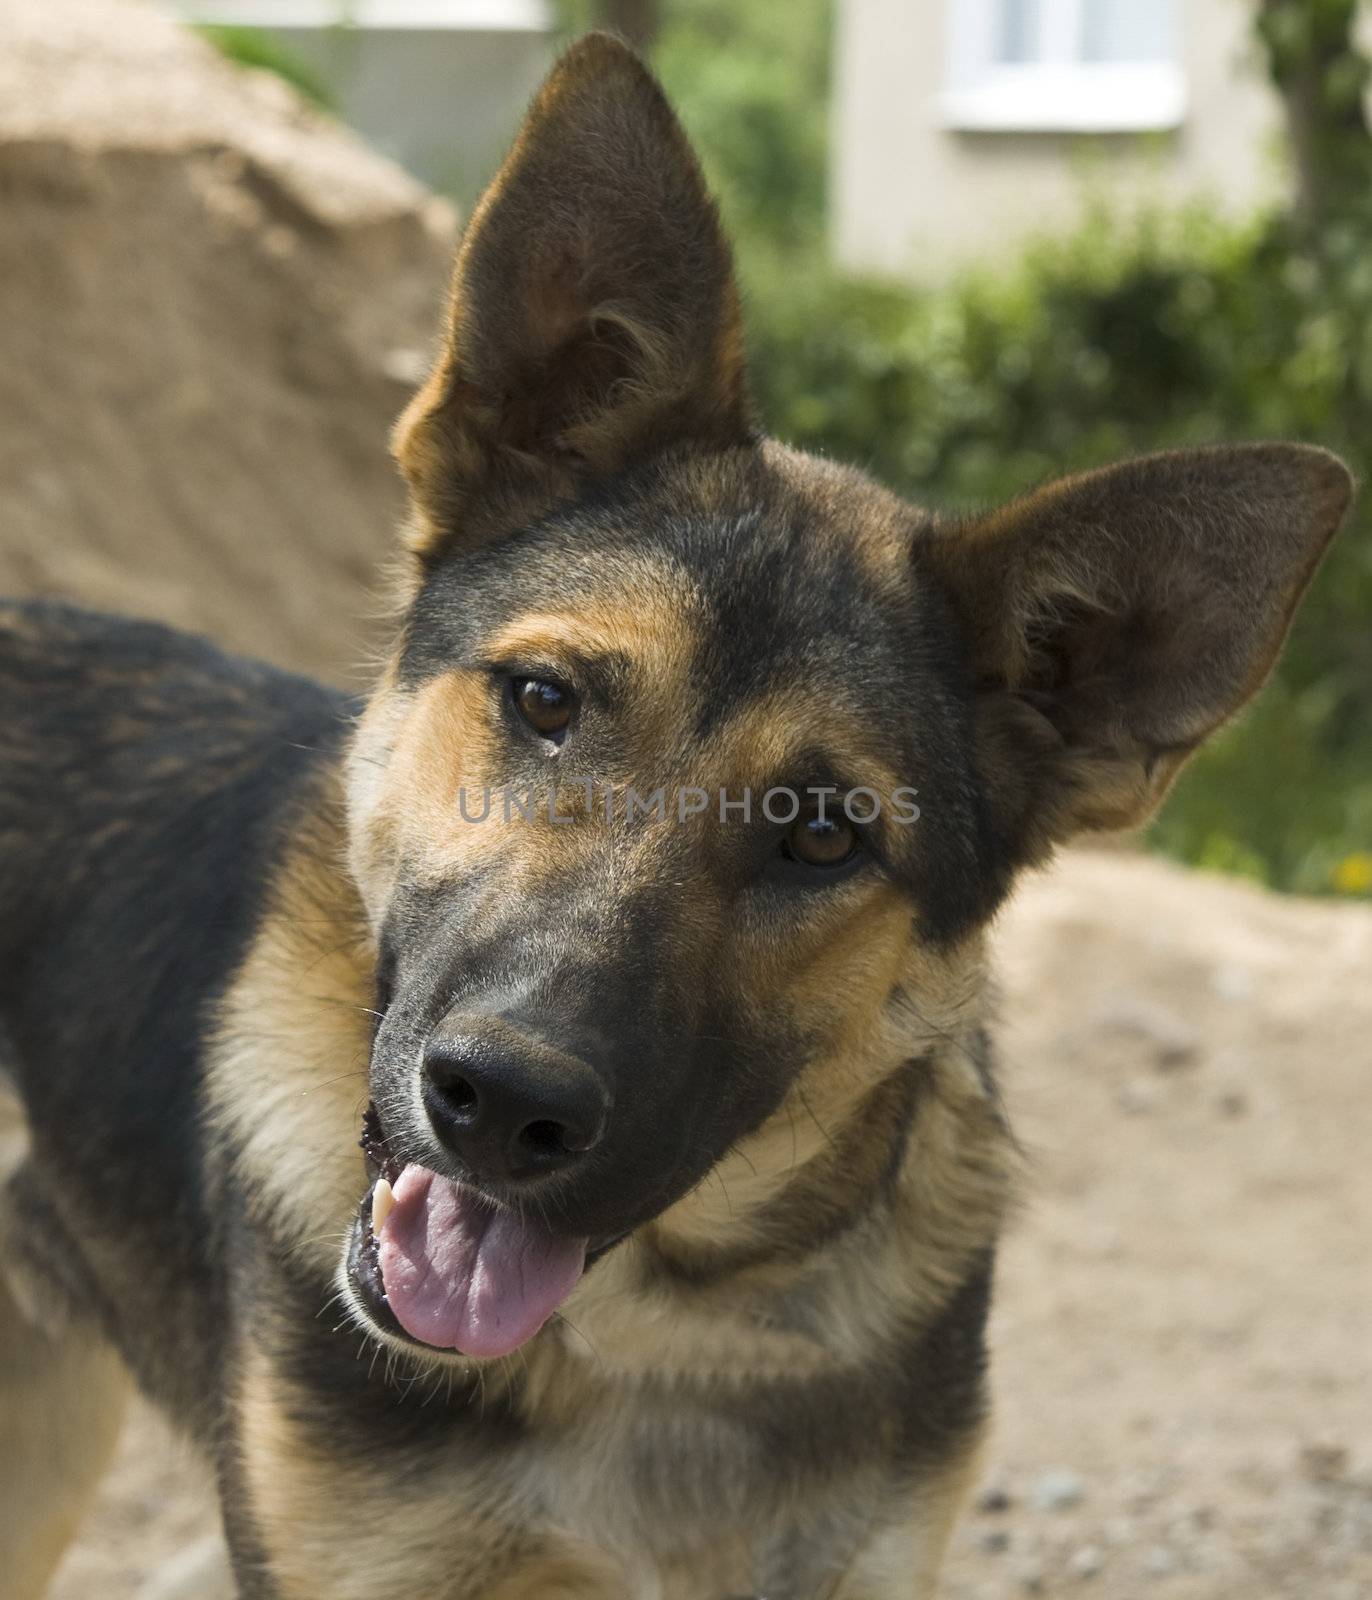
{"x": 1182, "y": 1359}
{"x": 212, "y": 302}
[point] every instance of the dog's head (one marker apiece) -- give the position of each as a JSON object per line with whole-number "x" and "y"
{"x": 701, "y": 765}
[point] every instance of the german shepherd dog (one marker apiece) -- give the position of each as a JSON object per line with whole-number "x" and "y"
{"x": 662, "y": 1271}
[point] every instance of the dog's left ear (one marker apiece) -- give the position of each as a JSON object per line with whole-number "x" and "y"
{"x": 1117, "y": 618}
{"x": 594, "y": 317}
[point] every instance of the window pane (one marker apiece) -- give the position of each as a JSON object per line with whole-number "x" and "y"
{"x": 1017, "y": 33}
{"x": 1127, "y": 30}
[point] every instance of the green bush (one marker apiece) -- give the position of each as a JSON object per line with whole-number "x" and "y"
{"x": 251, "y": 47}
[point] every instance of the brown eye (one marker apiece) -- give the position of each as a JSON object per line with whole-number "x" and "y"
{"x": 821, "y": 841}
{"x": 546, "y": 707}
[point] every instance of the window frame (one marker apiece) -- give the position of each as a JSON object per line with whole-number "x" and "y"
{"x": 1059, "y": 92}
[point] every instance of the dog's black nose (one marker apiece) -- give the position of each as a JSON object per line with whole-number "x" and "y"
{"x": 511, "y": 1108}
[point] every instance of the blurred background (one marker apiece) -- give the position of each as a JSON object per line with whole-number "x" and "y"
{"x": 982, "y": 242}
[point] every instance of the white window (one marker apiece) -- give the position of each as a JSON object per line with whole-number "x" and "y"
{"x": 1063, "y": 66}
{"x": 437, "y": 16}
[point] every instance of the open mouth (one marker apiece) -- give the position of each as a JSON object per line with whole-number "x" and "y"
{"x": 436, "y": 1261}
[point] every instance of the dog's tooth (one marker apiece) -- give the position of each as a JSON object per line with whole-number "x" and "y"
{"x": 383, "y": 1199}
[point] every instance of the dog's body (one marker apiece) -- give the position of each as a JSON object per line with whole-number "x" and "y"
{"x": 685, "y": 1166}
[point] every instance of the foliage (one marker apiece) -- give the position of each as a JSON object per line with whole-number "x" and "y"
{"x": 751, "y": 79}
{"x": 1322, "y": 75}
{"x": 753, "y": 82}
{"x": 251, "y": 47}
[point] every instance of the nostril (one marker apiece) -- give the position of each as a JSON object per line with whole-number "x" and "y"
{"x": 544, "y": 1139}
{"x": 511, "y": 1112}
{"x": 459, "y": 1097}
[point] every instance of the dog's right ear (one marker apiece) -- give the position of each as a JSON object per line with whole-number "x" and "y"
{"x": 594, "y": 317}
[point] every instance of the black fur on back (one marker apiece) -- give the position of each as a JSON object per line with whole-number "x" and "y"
{"x": 149, "y": 782}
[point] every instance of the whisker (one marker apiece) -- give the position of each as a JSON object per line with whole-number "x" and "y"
{"x": 567, "y": 1322}
{"x": 824, "y": 1132}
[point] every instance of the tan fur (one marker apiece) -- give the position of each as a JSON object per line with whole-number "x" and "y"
{"x": 643, "y": 617}
{"x": 850, "y": 992}
{"x": 450, "y": 1531}
{"x": 768, "y": 736}
{"x": 303, "y": 1498}
{"x": 287, "y": 1071}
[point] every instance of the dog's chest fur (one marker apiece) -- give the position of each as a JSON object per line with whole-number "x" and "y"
{"x": 623, "y": 1485}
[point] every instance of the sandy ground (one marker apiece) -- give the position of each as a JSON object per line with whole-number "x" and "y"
{"x": 1182, "y": 1352}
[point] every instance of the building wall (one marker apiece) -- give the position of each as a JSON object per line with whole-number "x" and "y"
{"x": 437, "y": 85}
{"x": 915, "y": 198}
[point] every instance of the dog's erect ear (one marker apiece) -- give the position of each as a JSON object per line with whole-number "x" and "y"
{"x": 1117, "y": 618}
{"x": 594, "y": 316}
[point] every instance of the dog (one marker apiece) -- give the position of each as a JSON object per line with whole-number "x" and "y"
{"x": 536, "y": 1131}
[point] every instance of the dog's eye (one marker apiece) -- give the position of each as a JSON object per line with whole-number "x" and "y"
{"x": 821, "y": 841}
{"x": 547, "y": 707}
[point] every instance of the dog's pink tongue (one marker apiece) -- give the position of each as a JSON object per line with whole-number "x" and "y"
{"x": 464, "y": 1275}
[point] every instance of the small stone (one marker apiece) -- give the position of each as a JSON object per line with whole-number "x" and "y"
{"x": 994, "y": 1541}
{"x": 1233, "y": 1104}
{"x": 1031, "y": 1579}
{"x": 1173, "y": 1041}
{"x": 1136, "y": 1099}
{"x": 1233, "y": 982}
{"x": 1159, "y": 1561}
{"x": 1086, "y": 1563}
{"x": 994, "y": 1500}
{"x": 279, "y": 242}
{"x": 1325, "y": 1463}
{"x": 1058, "y": 1490}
